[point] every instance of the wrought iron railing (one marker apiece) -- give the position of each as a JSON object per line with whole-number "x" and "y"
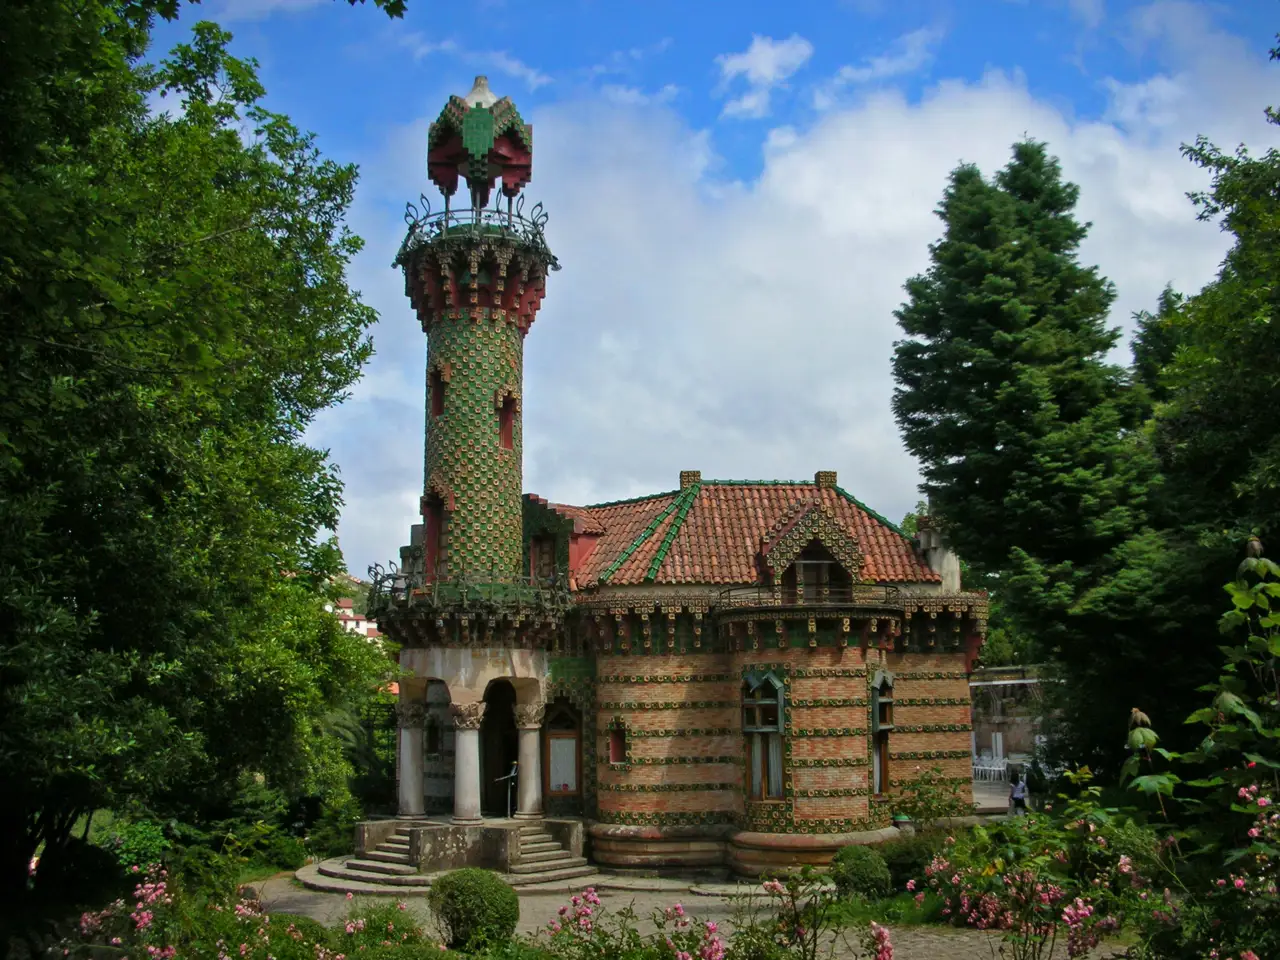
{"x": 855, "y": 595}
{"x": 474, "y": 222}
{"x": 393, "y": 588}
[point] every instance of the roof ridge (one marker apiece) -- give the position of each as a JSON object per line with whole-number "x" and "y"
{"x": 758, "y": 483}
{"x": 618, "y": 503}
{"x": 867, "y": 510}
{"x": 685, "y": 501}
{"x": 644, "y": 535}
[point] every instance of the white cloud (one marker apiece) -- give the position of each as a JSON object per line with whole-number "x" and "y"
{"x": 909, "y": 53}
{"x": 746, "y": 328}
{"x": 634, "y": 96}
{"x": 498, "y": 61}
{"x": 765, "y": 65}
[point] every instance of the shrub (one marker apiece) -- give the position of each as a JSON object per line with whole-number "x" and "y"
{"x": 860, "y": 871}
{"x": 907, "y": 856}
{"x": 278, "y": 849}
{"x": 77, "y": 872}
{"x": 472, "y": 907}
{"x": 311, "y": 931}
{"x": 377, "y": 924}
{"x": 137, "y": 842}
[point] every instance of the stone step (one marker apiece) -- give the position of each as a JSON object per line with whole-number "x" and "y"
{"x": 547, "y": 881}
{"x": 379, "y": 866}
{"x": 396, "y": 840}
{"x": 549, "y": 866}
{"x": 545, "y": 856}
{"x": 402, "y": 849}
{"x": 537, "y": 838}
{"x": 538, "y": 846}
{"x": 386, "y": 857}
{"x": 534, "y": 827}
{"x": 353, "y": 875}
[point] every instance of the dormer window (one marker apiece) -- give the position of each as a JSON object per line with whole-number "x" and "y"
{"x": 762, "y": 704}
{"x": 815, "y": 577}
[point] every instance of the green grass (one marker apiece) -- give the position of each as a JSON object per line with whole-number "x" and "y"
{"x": 899, "y": 910}
{"x": 252, "y": 871}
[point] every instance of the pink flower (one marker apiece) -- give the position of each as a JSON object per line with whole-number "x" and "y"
{"x": 712, "y": 927}
{"x": 1264, "y": 802}
{"x": 1239, "y": 883}
{"x": 350, "y": 894}
{"x": 1248, "y": 954}
{"x": 911, "y": 884}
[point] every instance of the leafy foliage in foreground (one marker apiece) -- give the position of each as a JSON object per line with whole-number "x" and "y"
{"x": 174, "y": 311}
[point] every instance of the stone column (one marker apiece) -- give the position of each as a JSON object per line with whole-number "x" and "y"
{"x": 529, "y": 780}
{"x": 466, "y": 762}
{"x": 410, "y": 716}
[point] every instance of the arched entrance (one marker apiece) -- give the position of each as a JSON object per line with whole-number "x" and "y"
{"x": 499, "y": 748}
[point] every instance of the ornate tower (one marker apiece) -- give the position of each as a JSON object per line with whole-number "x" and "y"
{"x": 476, "y": 275}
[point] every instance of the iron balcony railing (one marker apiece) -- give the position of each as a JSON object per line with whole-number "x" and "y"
{"x": 474, "y": 222}
{"x": 871, "y": 594}
{"x": 395, "y": 588}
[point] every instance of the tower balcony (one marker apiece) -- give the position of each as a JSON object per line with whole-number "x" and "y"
{"x": 467, "y": 610}
{"x": 463, "y": 227}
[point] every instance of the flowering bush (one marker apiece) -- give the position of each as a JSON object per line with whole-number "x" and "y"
{"x": 1072, "y": 874}
{"x": 799, "y": 919}
{"x": 585, "y": 930}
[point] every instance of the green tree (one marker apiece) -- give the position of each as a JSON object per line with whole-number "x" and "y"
{"x": 1003, "y": 388}
{"x": 174, "y": 311}
{"x": 1029, "y": 438}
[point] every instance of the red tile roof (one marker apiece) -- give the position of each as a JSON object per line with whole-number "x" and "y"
{"x": 712, "y": 533}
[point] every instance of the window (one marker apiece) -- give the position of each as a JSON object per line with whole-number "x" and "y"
{"x": 434, "y": 540}
{"x": 507, "y": 423}
{"x": 562, "y": 760}
{"x": 618, "y": 744}
{"x": 435, "y": 388}
{"x": 762, "y": 728}
{"x": 881, "y": 727}
{"x": 815, "y": 577}
{"x": 542, "y": 557}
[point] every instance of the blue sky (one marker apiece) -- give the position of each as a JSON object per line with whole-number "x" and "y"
{"x": 737, "y": 192}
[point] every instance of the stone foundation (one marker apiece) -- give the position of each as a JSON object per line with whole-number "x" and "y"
{"x": 495, "y": 845}
{"x": 659, "y": 849}
{"x": 759, "y": 854}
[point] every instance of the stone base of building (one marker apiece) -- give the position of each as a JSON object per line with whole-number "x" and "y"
{"x": 712, "y": 849}
{"x": 404, "y": 847}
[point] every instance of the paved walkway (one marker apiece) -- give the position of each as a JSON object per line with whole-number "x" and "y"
{"x": 703, "y": 902}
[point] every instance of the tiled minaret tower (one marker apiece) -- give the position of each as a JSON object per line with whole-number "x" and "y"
{"x": 476, "y": 277}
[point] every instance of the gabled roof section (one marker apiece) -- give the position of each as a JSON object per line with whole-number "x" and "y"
{"x": 711, "y": 533}
{"x": 583, "y": 520}
{"x": 806, "y": 521}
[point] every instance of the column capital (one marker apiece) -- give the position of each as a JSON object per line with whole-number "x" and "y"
{"x": 467, "y": 716}
{"x": 529, "y": 715}
{"x": 410, "y": 713}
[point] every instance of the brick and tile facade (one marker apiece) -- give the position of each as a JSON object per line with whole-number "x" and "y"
{"x": 730, "y": 673}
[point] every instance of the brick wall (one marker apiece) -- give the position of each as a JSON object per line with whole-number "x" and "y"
{"x": 674, "y": 709}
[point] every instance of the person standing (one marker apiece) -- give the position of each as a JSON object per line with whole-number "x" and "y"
{"x": 1017, "y": 794}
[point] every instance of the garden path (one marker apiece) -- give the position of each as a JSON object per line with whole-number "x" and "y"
{"x": 281, "y": 894}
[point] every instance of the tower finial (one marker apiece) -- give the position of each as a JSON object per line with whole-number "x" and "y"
{"x": 480, "y": 95}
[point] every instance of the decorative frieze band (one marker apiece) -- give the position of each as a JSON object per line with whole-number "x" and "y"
{"x": 667, "y": 787}
{"x": 829, "y": 732}
{"x": 678, "y": 761}
{"x": 833, "y": 702}
{"x": 931, "y": 701}
{"x": 929, "y": 755}
{"x": 932, "y": 728}
{"x": 671, "y": 678}
{"x": 831, "y": 762}
{"x": 699, "y": 819}
{"x": 926, "y": 675}
{"x": 692, "y": 732}
{"x": 666, "y": 704}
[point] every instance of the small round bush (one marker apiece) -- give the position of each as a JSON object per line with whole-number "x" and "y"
{"x": 860, "y": 872}
{"x": 907, "y": 857}
{"x": 473, "y": 907}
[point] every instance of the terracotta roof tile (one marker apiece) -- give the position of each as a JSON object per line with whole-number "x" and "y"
{"x": 711, "y": 533}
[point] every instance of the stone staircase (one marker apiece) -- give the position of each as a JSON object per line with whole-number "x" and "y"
{"x": 387, "y": 864}
{"x": 386, "y": 869}
{"x": 544, "y": 860}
